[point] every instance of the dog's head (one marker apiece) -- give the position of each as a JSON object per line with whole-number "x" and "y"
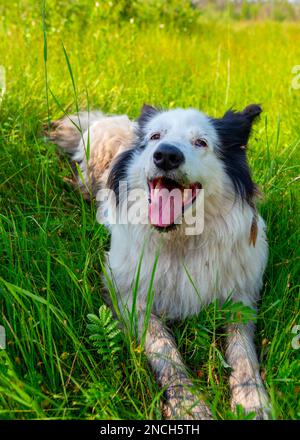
{"x": 179, "y": 150}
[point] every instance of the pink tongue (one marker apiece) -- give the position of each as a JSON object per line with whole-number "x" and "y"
{"x": 165, "y": 207}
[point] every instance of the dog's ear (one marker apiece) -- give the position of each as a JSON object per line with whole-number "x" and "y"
{"x": 234, "y": 127}
{"x": 147, "y": 112}
{"x": 252, "y": 111}
{"x": 233, "y": 130}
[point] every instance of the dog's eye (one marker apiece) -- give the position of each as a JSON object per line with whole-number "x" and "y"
{"x": 200, "y": 143}
{"x": 155, "y": 136}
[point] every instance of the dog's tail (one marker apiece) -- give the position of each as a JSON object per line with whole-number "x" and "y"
{"x": 92, "y": 141}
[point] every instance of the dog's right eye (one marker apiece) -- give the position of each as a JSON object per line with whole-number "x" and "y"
{"x": 155, "y": 136}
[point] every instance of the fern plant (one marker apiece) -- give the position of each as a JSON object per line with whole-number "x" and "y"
{"x": 105, "y": 333}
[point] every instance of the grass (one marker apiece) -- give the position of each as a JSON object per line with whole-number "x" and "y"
{"x": 51, "y": 247}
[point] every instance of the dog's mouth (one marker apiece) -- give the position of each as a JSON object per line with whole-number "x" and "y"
{"x": 168, "y": 200}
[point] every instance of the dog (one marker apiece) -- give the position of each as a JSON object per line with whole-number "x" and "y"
{"x": 178, "y": 149}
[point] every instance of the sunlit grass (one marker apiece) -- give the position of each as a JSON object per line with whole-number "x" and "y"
{"x": 51, "y": 248}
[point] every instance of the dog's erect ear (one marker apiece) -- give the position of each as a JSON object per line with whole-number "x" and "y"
{"x": 233, "y": 130}
{"x": 147, "y": 112}
{"x": 252, "y": 111}
{"x": 234, "y": 127}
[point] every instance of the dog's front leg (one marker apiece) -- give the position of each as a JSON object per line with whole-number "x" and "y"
{"x": 167, "y": 364}
{"x": 246, "y": 385}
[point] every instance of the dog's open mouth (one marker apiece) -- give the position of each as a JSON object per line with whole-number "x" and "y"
{"x": 168, "y": 200}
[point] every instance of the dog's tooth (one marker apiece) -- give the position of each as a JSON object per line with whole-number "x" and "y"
{"x": 186, "y": 194}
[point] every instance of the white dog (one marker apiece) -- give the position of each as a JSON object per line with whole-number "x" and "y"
{"x": 179, "y": 150}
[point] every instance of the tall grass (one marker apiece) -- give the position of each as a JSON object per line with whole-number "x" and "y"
{"x": 52, "y": 249}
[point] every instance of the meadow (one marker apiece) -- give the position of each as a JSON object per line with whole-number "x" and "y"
{"x": 115, "y": 56}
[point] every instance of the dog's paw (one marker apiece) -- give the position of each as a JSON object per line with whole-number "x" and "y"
{"x": 253, "y": 398}
{"x": 181, "y": 404}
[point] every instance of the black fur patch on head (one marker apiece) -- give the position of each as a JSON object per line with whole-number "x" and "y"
{"x": 234, "y": 129}
{"x": 147, "y": 112}
{"x": 118, "y": 171}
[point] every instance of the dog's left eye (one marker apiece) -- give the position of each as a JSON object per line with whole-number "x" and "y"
{"x": 155, "y": 136}
{"x": 200, "y": 143}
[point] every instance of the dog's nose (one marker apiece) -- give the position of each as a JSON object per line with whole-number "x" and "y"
{"x": 167, "y": 157}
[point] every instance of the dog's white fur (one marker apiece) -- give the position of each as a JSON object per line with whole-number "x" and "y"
{"x": 221, "y": 261}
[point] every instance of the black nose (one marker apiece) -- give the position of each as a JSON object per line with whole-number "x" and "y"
{"x": 167, "y": 157}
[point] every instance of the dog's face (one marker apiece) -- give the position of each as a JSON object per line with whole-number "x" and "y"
{"x": 184, "y": 151}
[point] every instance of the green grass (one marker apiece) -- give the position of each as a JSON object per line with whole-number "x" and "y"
{"x": 51, "y": 247}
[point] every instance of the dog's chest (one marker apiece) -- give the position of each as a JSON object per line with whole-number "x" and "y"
{"x": 187, "y": 275}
